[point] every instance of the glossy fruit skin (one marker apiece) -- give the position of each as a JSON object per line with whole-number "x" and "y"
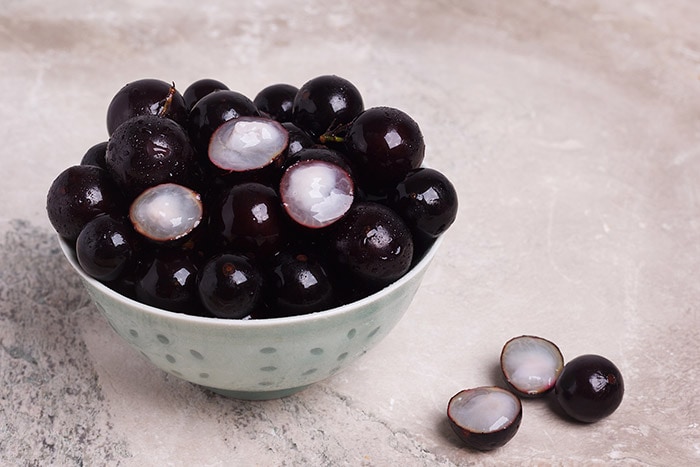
{"x": 200, "y": 88}
{"x": 276, "y": 101}
{"x": 298, "y": 284}
{"x": 373, "y": 243}
{"x": 385, "y": 144}
{"x": 248, "y": 218}
{"x": 325, "y": 103}
{"x": 95, "y": 155}
{"x": 589, "y": 388}
{"x": 105, "y": 247}
{"x": 242, "y": 211}
{"x": 146, "y": 97}
{"x": 298, "y": 139}
{"x": 321, "y": 153}
{"x": 146, "y": 151}
{"x": 211, "y": 111}
{"x": 79, "y": 194}
{"x": 230, "y": 286}
{"x": 169, "y": 282}
{"x": 427, "y": 201}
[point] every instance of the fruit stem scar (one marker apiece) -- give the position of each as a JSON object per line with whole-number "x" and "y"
{"x": 330, "y": 138}
{"x": 168, "y": 101}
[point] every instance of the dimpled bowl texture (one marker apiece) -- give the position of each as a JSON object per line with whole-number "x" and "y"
{"x": 256, "y": 359}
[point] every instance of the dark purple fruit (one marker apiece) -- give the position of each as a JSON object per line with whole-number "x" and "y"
{"x": 134, "y": 269}
{"x": 348, "y": 289}
{"x": 385, "y": 144}
{"x": 531, "y": 365}
{"x": 298, "y": 139}
{"x": 277, "y": 187}
{"x": 248, "y": 218}
{"x": 170, "y": 283}
{"x": 427, "y": 201}
{"x": 214, "y": 109}
{"x": 79, "y": 194}
{"x": 201, "y": 88}
{"x": 276, "y": 101}
{"x": 146, "y": 97}
{"x": 485, "y": 418}
{"x": 147, "y": 151}
{"x": 316, "y": 193}
{"x": 166, "y": 212}
{"x": 325, "y": 103}
{"x": 247, "y": 143}
{"x": 373, "y": 243}
{"x": 95, "y": 155}
{"x": 589, "y": 388}
{"x": 230, "y": 286}
{"x": 106, "y": 247}
{"x": 320, "y": 153}
{"x": 298, "y": 284}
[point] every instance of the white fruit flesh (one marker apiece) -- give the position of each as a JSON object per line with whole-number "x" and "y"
{"x": 247, "y": 143}
{"x": 166, "y": 212}
{"x": 484, "y": 410}
{"x": 531, "y": 364}
{"x": 316, "y": 193}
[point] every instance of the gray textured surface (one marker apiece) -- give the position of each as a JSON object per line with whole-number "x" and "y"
{"x": 53, "y": 410}
{"x": 571, "y": 130}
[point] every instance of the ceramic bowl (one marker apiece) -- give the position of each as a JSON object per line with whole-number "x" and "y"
{"x": 256, "y": 359}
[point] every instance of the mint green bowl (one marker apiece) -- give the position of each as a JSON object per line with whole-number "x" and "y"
{"x": 256, "y": 359}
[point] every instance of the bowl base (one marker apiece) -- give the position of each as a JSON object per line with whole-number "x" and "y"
{"x": 257, "y": 395}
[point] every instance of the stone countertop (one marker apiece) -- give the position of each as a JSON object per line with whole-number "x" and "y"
{"x": 572, "y": 132}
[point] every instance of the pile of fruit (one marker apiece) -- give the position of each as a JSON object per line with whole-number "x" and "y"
{"x": 209, "y": 203}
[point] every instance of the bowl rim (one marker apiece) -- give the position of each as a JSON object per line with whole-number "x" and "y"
{"x": 417, "y": 269}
